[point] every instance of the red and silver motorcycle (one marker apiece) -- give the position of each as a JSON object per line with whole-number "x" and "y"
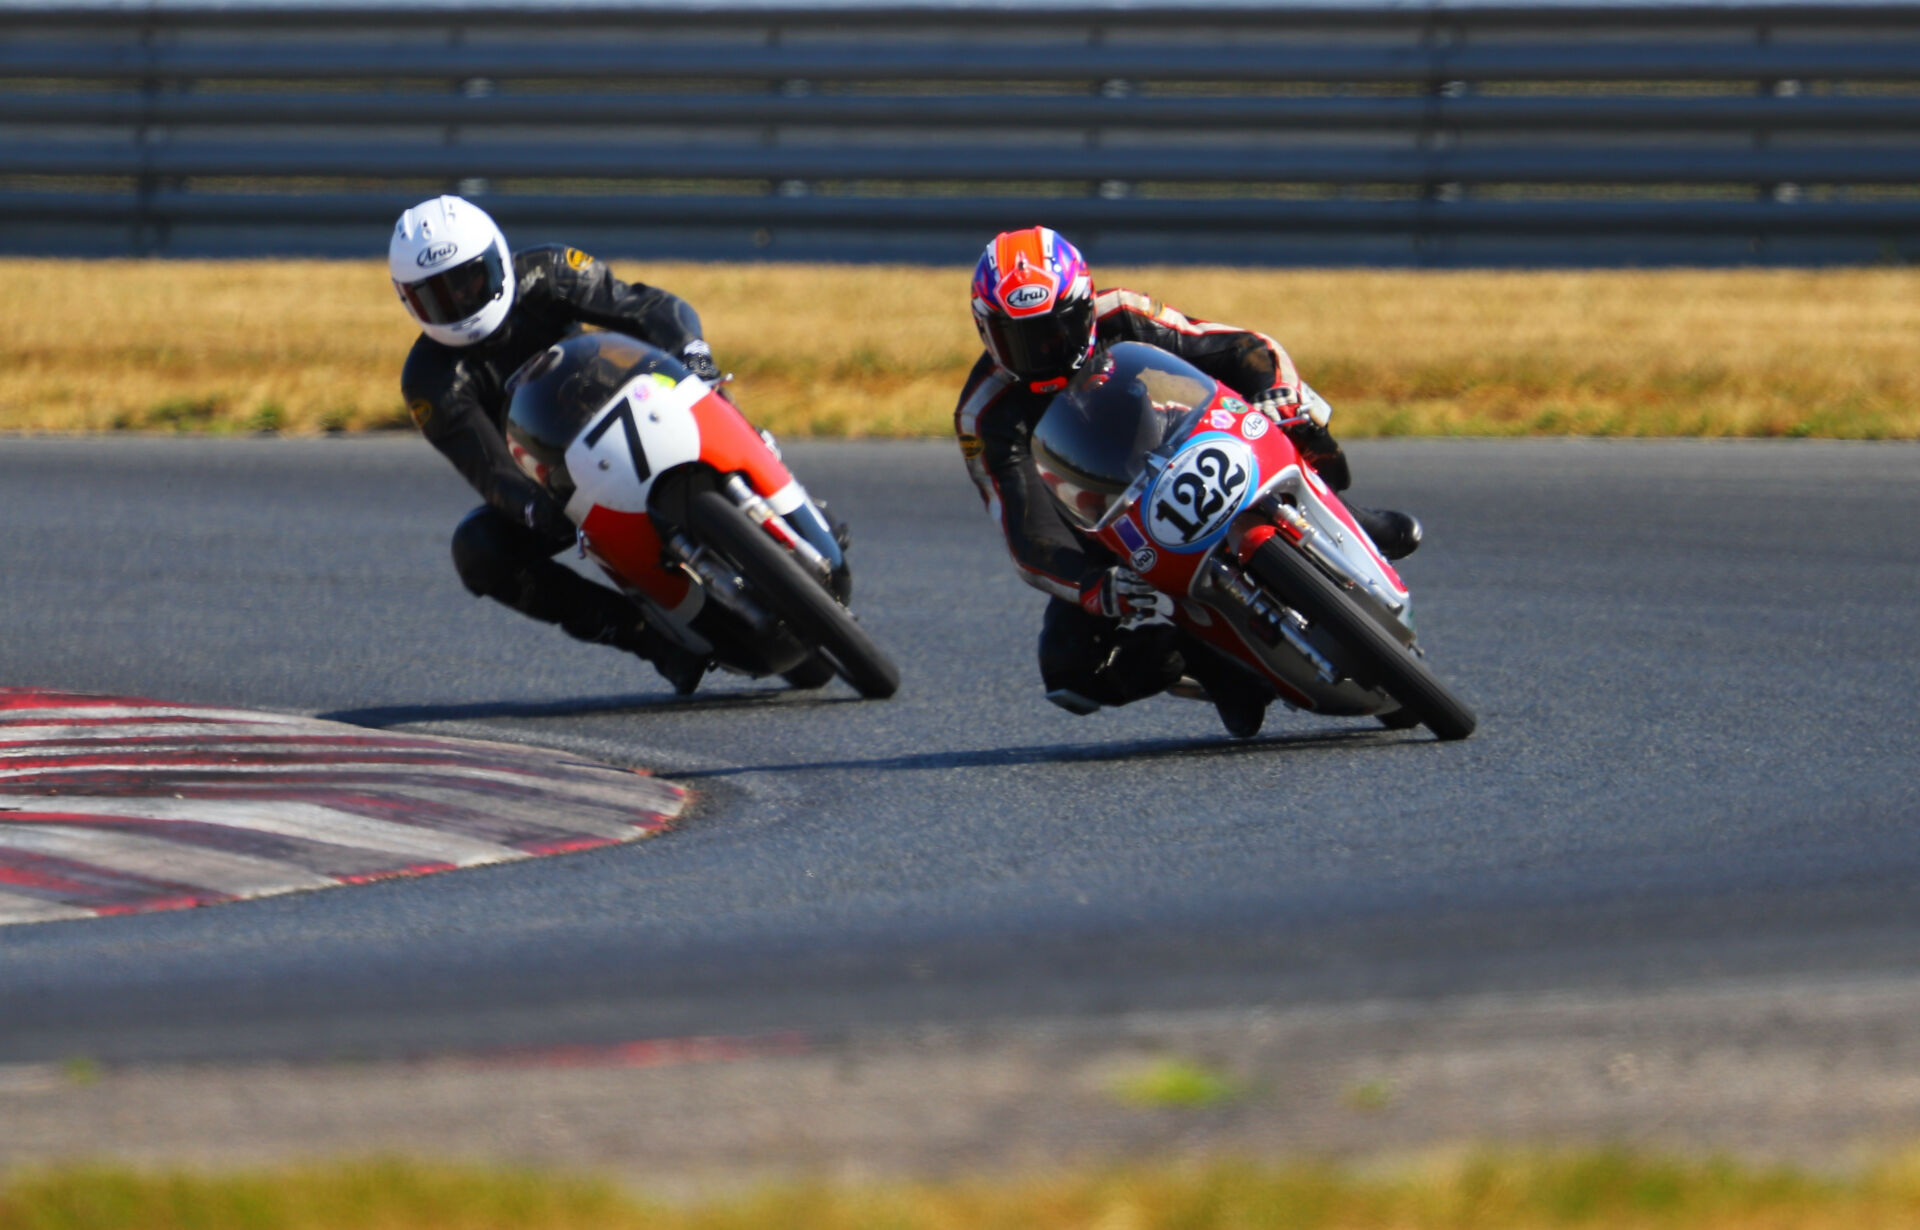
{"x": 690, "y": 512}
{"x": 1210, "y": 502}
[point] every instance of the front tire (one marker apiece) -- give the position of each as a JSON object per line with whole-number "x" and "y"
{"x": 1394, "y": 667}
{"x": 801, "y": 602}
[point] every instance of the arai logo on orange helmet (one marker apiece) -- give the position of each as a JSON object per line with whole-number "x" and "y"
{"x": 1028, "y": 298}
{"x": 433, "y": 254}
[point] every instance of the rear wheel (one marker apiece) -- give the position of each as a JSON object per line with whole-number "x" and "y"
{"x": 1392, "y": 667}
{"x": 800, "y": 601}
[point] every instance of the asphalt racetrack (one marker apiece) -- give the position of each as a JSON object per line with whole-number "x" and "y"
{"x": 1695, "y": 666}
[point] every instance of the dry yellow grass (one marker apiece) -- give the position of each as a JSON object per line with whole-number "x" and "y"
{"x": 306, "y": 346}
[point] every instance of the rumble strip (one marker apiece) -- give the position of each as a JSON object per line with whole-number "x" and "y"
{"x": 111, "y": 805}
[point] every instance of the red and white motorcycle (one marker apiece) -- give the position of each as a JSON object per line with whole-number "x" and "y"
{"x": 1210, "y": 502}
{"x": 690, "y": 512}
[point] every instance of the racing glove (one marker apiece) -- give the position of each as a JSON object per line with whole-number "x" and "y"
{"x": 1119, "y": 593}
{"x": 1304, "y": 414}
{"x": 698, "y": 356}
{"x": 545, "y": 518}
{"x": 1284, "y": 402}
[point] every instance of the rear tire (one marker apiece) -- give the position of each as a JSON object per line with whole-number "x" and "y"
{"x": 800, "y": 601}
{"x": 1393, "y": 667}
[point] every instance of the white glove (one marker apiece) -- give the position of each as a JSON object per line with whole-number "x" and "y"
{"x": 1120, "y": 593}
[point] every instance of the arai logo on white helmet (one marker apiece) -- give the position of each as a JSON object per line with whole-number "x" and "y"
{"x": 1032, "y": 295}
{"x": 434, "y": 253}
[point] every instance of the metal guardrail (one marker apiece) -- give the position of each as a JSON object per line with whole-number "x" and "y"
{"x": 1487, "y": 134}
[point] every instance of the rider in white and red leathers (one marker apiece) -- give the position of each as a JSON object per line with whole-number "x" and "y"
{"x": 1039, "y": 318}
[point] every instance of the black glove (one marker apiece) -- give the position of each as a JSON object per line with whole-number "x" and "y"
{"x": 698, "y": 356}
{"x": 544, "y": 517}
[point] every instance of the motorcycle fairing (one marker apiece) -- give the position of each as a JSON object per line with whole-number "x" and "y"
{"x": 646, "y": 429}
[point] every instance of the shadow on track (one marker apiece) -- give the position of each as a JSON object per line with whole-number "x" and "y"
{"x": 1079, "y": 753}
{"x": 579, "y": 706}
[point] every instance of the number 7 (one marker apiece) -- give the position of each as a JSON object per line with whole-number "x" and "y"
{"x": 624, "y": 412}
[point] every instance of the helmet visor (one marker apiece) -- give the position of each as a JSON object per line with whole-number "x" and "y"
{"x": 1042, "y": 347}
{"x": 459, "y": 292}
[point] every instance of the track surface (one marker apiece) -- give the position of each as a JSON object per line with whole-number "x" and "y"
{"x": 1695, "y": 666}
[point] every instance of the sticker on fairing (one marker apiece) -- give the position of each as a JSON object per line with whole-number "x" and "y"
{"x": 1254, "y": 426}
{"x": 1141, "y": 557}
{"x": 1201, "y": 488}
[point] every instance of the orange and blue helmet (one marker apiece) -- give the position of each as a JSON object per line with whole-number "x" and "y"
{"x": 1033, "y": 306}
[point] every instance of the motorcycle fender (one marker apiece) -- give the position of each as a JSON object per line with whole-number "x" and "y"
{"x": 730, "y": 445}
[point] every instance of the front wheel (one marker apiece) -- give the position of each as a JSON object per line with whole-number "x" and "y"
{"x": 1395, "y": 668}
{"x": 801, "y": 602}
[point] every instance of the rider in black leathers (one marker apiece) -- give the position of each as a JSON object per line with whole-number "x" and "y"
{"x": 1039, "y": 317}
{"x": 484, "y": 312}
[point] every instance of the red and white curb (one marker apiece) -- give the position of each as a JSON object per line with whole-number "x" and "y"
{"x": 110, "y": 805}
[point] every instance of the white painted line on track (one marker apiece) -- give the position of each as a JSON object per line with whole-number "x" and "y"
{"x": 311, "y": 821}
{"x": 15, "y": 908}
{"x": 237, "y": 875}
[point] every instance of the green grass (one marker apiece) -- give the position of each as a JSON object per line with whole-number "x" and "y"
{"x": 1178, "y": 1083}
{"x": 1479, "y": 1191}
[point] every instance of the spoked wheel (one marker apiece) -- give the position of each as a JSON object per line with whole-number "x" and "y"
{"x": 800, "y": 601}
{"x": 1393, "y": 667}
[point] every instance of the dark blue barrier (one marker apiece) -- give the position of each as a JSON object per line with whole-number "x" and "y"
{"x": 1431, "y": 135}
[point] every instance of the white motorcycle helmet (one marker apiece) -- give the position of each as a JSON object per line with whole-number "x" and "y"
{"x": 452, "y": 269}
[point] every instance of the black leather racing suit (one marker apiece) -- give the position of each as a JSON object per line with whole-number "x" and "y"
{"x": 504, "y": 549}
{"x": 1080, "y": 651}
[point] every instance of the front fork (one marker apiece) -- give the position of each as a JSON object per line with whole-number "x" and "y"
{"x": 1267, "y": 619}
{"x": 803, "y": 531}
{"x": 1275, "y": 515}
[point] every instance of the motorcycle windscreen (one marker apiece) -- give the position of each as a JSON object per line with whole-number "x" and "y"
{"x": 1127, "y": 404}
{"x": 556, "y": 393}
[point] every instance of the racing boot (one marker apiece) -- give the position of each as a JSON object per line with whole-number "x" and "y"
{"x": 595, "y": 613}
{"x": 1088, "y": 663}
{"x": 1240, "y": 702}
{"x": 678, "y": 665}
{"x": 1240, "y": 698}
{"x": 1397, "y": 534}
{"x": 1241, "y": 711}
